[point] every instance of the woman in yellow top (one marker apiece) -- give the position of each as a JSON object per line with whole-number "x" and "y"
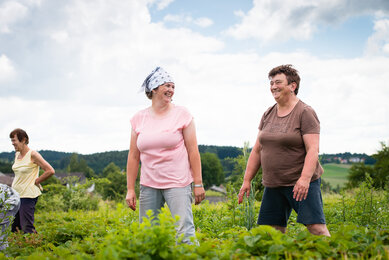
{"x": 27, "y": 180}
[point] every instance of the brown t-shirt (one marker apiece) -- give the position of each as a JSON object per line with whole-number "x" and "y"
{"x": 283, "y": 150}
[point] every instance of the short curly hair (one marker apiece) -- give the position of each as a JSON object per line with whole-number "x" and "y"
{"x": 290, "y": 73}
{"x": 20, "y": 134}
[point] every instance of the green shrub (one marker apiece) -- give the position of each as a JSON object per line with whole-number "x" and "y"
{"x": 59, "y": 197}
{"x": 113, "y": 232}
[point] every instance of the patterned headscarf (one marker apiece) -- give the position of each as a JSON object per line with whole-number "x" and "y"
{"x": 156, "y": 78}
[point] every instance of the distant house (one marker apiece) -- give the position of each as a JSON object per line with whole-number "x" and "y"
{"x": 75, "y": 177}
{"x": 7, "y": 178}
{"x": 356, "y": 159}
{"x": 63, "y": 175}
{"x": 220, "y": 189}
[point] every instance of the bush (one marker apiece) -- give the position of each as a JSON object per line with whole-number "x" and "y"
{"x": 113, "y": 232}
{"x": 63, "y": 198}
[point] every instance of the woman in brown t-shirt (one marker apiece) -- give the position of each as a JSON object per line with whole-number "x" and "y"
{"x": 287, "y": 148}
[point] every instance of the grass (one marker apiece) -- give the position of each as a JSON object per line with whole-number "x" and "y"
{"x": 336, "y": 174}
{"x": 211, "y": 193}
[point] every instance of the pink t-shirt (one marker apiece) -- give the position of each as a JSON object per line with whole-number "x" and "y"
{"x": 163, "y": 155}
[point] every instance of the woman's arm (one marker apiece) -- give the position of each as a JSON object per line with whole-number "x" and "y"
{"x": 45, "y": 166}
{"x": 132, "y": 170}
{"x": 253, "y": 164}
{"x": 190, "y": 140}
{"x": 311, "y": 142}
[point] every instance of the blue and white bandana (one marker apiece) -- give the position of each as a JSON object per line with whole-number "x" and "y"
{"x": 156, "y": 78}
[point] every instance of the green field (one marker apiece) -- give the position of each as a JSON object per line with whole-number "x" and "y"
{"x": 358, "y": 222}
{"x": 336, "y": 174}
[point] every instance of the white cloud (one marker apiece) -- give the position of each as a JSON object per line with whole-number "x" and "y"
{"x": 80, "y": 77}
{"x": 276, "y": 20}
{"x": 10, "y": 13}
{"x": 203, "y": 22}
{"x": 65, "y": 126}
{"x": 385, "y": 49}
{"x": 7, "y": 71}
{"x": 162, "y": 4}
{"x": 279, "y": 20}
{"x": 378, "y": 42}
{"x": 34, "y": 2}
{"x": 227, "y": 95}
{"x": 174, "y": 18}
{"x": 187, "y": 20}
{"x": 87, "y": 46}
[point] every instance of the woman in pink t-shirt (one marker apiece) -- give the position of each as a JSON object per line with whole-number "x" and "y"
{"x": 163, "y": 139}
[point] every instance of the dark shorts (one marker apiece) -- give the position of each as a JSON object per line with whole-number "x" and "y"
{"x": 24, "y": 219}
{"x": 277, "y": 204}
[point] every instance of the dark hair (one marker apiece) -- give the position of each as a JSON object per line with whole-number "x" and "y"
{"x": 149, "y": 94}
{"x": 20, "y": 134}
{"x": 290, "y": 73}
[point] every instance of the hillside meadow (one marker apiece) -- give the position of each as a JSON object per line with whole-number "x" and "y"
{"x": 357, "y": 219}
{"x": 336, "y": 174}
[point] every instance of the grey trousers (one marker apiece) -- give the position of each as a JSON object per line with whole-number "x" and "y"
{"x": 5, "y": 221}
{"x": 179, "y": 201}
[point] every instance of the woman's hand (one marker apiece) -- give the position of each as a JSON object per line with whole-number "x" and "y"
{"x": 131, "y": 199}
{"x": 199, "y": 194}
{"x": 245, "y": 189}
{"x": 300, "y": 190}
{"x": 38, "y": 185}
{"x": 311, "y": 142}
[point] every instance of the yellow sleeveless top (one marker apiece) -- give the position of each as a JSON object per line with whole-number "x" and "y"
{"x": 26, "y": 172}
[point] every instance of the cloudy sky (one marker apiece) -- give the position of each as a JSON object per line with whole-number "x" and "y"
{"x": 70, "y": 71}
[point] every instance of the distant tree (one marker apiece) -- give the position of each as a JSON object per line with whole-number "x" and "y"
{"x": 98, "y": 161}
{"x": 112, "y": 167}
{"x": 379, "y": 172}
{"x": 221, "y": 151}
{"x": 356, "y": 174}
{"x": 117, "y": 187}
{"x": 381, "y": 167}
{"x": 228, "y": 164}
{"x": 5, "y": 167}
{"x": 212, "y": 170}
{"x": 76, "y": 165}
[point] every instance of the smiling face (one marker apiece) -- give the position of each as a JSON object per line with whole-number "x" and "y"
{"x": 18, "y": 145}
{"x": 280, "y": 88}
{"x": 164, "y": 92}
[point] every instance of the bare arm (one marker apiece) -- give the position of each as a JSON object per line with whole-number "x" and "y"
{"x": 311, "y": 142}
{"x": 190, "y": 140}
{"x": 132, "y": 170}
{"x": 45, "y": 166}
{"x": 253, "y": 164}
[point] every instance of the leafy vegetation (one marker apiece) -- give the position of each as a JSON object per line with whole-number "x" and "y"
{"x": 76, "y": 222}
{"x": 358, "y": 221}
{"x": 379, "y": 172}
{"x": 115, "y": 186}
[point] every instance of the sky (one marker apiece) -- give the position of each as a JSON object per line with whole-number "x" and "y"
{"x": 71, "y": 71}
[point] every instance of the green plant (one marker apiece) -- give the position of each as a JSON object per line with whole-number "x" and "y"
{"x": 232, "y": 201}
{"x": 114, "y": 232}
{"x": 249, "y": 209}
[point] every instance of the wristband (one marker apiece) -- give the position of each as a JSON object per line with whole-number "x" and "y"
{"x": 198, "y": 185}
